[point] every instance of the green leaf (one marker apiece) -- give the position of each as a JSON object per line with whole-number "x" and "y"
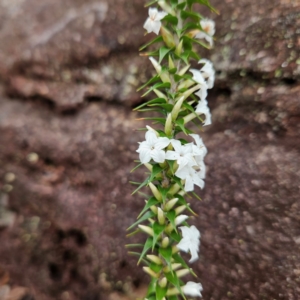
{"x": 136, "y": 167}
{"x": 145, "y": 217}
{"x": 150, "y": 202}
{"x": 181, "y": 200}
{"x": 166, "y": 253}
{"x": 164, "y": 192}
{"x": 180, "y": 123}
{"x": 191, "y": 25}
{"x": 141, "y": 185}
{"x": 156, "y": 169}
{"x": 133, "y": 245}
{"x": 156, "y": 100}
{"x": 172, "y": 277}
{"x": 158, "y": 85}
{"x": 185, "y": 56}
{"x": 165, "y": 106}
{"x": 153, "y": 79}
{"x": 156, "y": 268}
{"x": 171, "y": 215}
{"x": 171, "y": 165}
{"x": 194, "y": 55}
{"x": 151, "y": 288}
{"x": 175, "y": 236}
{"x": 197, "y": 42}
{"x": 190, "y": 14}
{"x": 147, "y": 246}
{"x": 172, "y": 298}
{"x": 171, "y": 19}
{"x": 177, "y": 258}
{"x": 163, "y": 51}
{"x": 157, "y": 39}
{"x": 157, "y": 229}
{"x": 160, "y": 292}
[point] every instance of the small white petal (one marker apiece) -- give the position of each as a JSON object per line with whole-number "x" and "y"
{"x": 192, "y": 289}
{"x": 181, "y": 218}
{"x": 145, "y": 156}
{"x": 158, "y": 155}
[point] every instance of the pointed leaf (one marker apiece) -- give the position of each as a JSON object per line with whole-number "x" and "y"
{"x": 150, "y": 202}
{"x": 166, "y": 253}
{"x": 172, "y": 277}
{"x": 157, "y": 39}
{"x": 141, "y": 185}
{"x": 147, "y": 246}
{"x": 160, "y": 292}
{"x": 145, "y": 217}
{"x": 157, "y": 229}
{"x": 171, "y": 215}
{"x": 163, "y": 51}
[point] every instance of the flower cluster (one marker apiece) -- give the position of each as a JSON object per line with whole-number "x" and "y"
{"x": 173, "y": 153}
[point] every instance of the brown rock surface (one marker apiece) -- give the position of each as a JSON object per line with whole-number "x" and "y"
{"x": 67, "y": 147}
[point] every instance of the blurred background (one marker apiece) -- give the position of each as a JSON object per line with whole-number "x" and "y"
{"x": 69, "y": 71}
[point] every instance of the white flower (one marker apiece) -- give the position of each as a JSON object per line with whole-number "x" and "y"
{"x": 200, "y": 145}
{"x": 191, "y": 177}
{"x": 199, "y": 78}
{"x": 208, "y": 27}
{"x": 202, "y": 108}
{"x": 190, "y": 241}
{"x": 152, "y": 148}
{"x": 153, "y": 23}
{"x": 183, "y": 154}
{"x": 192, "y": 289}
{"x": 181, "y": 218}
{"x": 208, "y": 72}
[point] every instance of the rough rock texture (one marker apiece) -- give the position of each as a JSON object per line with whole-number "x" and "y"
{"x": 68, "y": 72}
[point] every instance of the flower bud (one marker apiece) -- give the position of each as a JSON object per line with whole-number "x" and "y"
{"x": 175, "y": 266}
{"x": 165, "y": 242}
{"x": 155, "y": 259}
{"x": 183, "y": 70}
{"x": 182, "y": 272}
{"x": 168, "y": 125}
{"x": 166, "y": 7}
{"x": 192, "y": 33}
{"x": 191, "y": 91}
{"x": 180, "y": 209}
{"x": 174, "y": 189}
{"x": 148, "y": 166}
{"x": 159, "y": 94}
{"x": 150, "y": 272}
{"x": 178, "y": 49}
{"x": 172, "y": 292}
{"x": 153, "y": 209}
{"x": 164, "y": 76}
{"x": 171, "y": 63}
{"x": 155, "y": 192}
{"x": 151, "y": 129}
{"x": 147, "y": 229}
{"x": 167, "y": 37}
{"x": 186, "y": 84}
{"x": 176, "y": 108}
{"x": 189, "y": 117}
{"x": 163, "y": 282}
{"x": 175, "y": 249}
{"x": 170, "y": 204}
{"x": 160, "y": 216}
{"x": 155, "y": 64}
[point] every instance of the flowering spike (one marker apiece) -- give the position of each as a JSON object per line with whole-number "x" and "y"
{"x": 176, "y": 165}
